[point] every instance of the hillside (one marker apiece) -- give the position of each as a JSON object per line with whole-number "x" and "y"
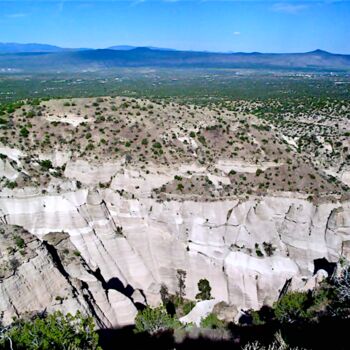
{"x": 109, "y": 198}
{"x": 226, "y": 152}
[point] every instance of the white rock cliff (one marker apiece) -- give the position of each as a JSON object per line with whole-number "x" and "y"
{"x": 130, "y": 244}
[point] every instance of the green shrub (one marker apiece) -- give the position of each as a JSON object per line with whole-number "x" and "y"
{"x": 258, "y": 251}
{"x": 204, "y": 290}
{"x": 11, "y": 184}
{"x": 164, "y": 293}
{"x": 155, "y": 320}
{"x": 256, "y": 320}
{"x": 180, "y": 187}
{"x": 19, "y": 242}
{"x": 212, "y": 322}
{"x": 24, "y": 132}
{"x": 30, "y": 114}
{"x": 35, "y": 102}
{"x": 269, "y": 248}
{"x": 258, "y": 172}
{"x": 322, "y": 297}
{"x": 188, "y": 306}
{"x": 55, "y": 331}
{"x": 292, "y": 306}
{"x": 45, "y": 164}
{"x": 201, "y": 139}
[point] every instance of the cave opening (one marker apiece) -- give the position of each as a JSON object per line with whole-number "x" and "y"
{"x": 324, "y": 264}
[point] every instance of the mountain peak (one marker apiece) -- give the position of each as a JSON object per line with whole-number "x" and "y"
{"x": 320, "y": 52}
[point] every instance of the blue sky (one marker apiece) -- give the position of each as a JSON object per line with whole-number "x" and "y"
{"x": 265, "y": 26}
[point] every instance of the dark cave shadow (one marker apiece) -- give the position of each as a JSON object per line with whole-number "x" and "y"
{"x": 116, "y": 284}
{"x": 170, "y": 308}
{"x": 324, "y": 264}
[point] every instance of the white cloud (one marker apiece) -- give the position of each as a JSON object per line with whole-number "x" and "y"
{"x": 236, "y": 33}
{"x": 17, "y": 15}
{"x": 289, "y": 8}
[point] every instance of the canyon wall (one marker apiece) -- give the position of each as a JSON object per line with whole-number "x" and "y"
{"x": 126, "y": 246}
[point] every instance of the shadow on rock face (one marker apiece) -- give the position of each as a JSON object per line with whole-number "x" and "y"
{"x": 111, "y": 339}
{"x": 327, "y": 334}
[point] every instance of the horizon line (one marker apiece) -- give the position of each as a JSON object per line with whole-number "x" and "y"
{"x": 132, "y": 47}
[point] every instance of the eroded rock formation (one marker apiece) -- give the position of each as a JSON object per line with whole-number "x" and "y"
{"x": 246, "y": 249}
{"x": 113, "y": 196}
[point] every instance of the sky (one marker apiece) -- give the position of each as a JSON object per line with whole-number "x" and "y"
{"x": 226, "y": 26}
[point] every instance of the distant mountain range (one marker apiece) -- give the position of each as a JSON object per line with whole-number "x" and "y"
{"x": 48, "y": 58}
{"x": 18, "y": 48}
{"x": 128, "y": 47}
